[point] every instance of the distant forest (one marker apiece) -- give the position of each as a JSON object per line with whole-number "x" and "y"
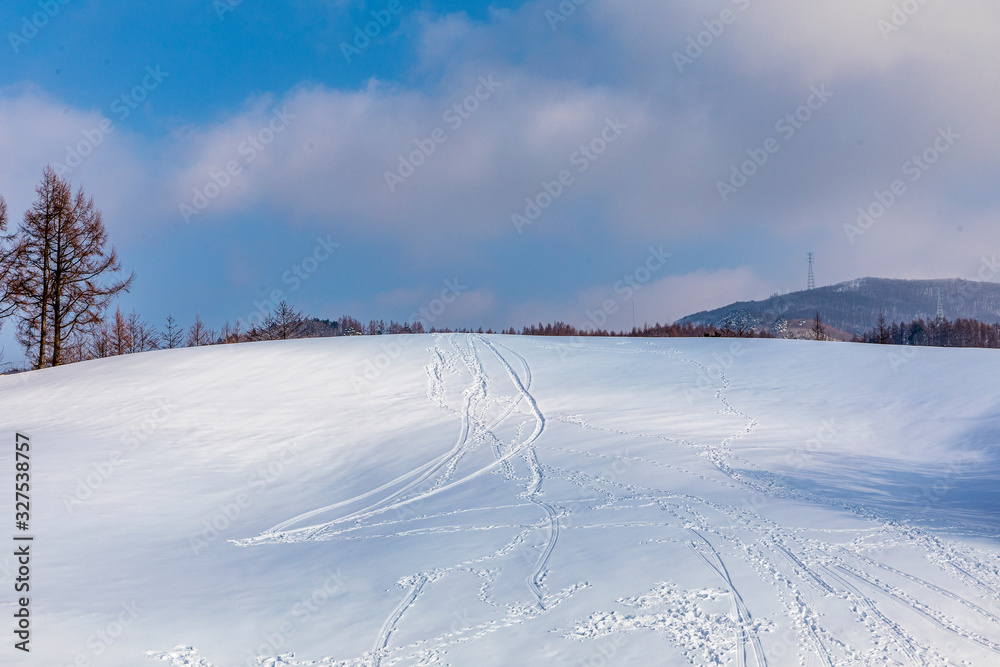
{"x": 935, "y": 333}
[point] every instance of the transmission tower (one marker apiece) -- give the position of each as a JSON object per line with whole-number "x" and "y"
{"x": 812, "y": 280}
{"x": 940, "y": 309}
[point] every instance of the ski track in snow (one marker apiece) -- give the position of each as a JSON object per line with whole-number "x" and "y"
{"x": 450, "y": 354}
{"x": 744, "y": 633}
{"x": 809, "y": 575}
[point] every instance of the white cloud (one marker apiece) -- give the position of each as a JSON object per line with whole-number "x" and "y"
{"x": 660, "y": 300}
{"x": 89, "y": 149}
{"x": 658, "y": 181}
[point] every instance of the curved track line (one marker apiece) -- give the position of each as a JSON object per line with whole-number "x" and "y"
{"x": 904, "y": 643}
{"x": 424, "y": 472}
{"x": 534, "y": 578}
{"x": 539, "y": 427}
{"x": 743, "y": 616}
{"x": 382, "y": 641}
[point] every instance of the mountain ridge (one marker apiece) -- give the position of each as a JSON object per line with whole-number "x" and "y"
{"x": 855, "y": 305}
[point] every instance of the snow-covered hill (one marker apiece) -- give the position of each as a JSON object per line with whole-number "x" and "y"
{"x": 491, "y": 500}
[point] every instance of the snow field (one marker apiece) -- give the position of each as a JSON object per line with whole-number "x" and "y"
{"x": 494, "y": 500}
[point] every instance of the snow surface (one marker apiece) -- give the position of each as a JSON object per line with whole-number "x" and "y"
{"x": 494, "y": 500}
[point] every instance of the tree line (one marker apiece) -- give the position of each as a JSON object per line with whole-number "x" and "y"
{"x": 59, "y": 276}
{"x": 731, "y": 328}
{"x": 934, "y": 333}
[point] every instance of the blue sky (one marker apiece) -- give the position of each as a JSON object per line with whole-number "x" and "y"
{"x": 822, "y": 107}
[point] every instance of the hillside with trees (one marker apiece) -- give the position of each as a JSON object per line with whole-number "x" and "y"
{"x": 855, "y": 306}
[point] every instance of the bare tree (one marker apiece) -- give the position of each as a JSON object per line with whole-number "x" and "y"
{"x": 121, "y": 336}
{"x": 881, "y": 330}
{"x": 100, "y": 345}
{"x": 350, "y": 326}
{"x": 142, "y": 336}
{"x": 62, "y": 266}
{"x": 32, "y": 271}
{"x": 231, "y": 333}
{"x": 236, "y": 333}
{"x": 286, "y": 323}
{"x": 172, "y": 336}
{"x": 77, "y": 348}
{"x": 198, "y": 334}
{"x": 282, "y": 323}
{"x": 257, "y": 332}
{"x": 818, "y": 330}
{"x": 7, "y": 305}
